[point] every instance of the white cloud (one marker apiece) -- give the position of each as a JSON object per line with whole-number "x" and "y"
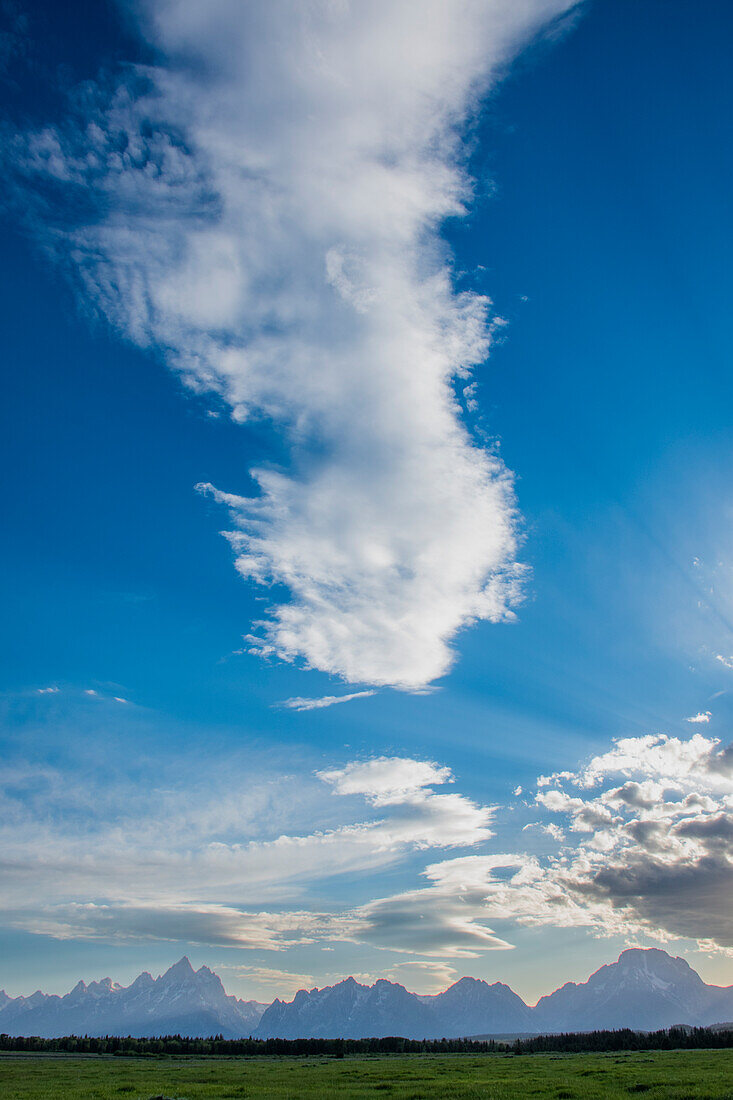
{"x": 727, "y": 661}
{"x": 448, "y": 919}
{"x": 325, "y": 701}
{"x": 264, "y": 209}
{"x": 657, "y": 853}
{"x": 47, "y": 691}
{"x": 654, "y": 755}
{"x": 652, "y": 856}
{"x": 638, "y": 841}
{"x": 385, "y": 780}
{"x": 700, "y": 717}
{"x": 149, "y": 866}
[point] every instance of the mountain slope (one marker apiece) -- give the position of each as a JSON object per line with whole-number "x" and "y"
{"x": 472, "y": 1006}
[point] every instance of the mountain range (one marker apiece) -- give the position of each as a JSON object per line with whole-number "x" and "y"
{"x": 183, "y": 1001}
{"x": 644, "y": 989}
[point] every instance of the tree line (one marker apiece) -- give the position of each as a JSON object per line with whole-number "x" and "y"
{"x": 686, "y": 1038}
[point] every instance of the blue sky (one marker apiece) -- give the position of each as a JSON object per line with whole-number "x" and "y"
{"x": 306, "y": 270}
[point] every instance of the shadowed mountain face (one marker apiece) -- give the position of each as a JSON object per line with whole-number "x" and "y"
{"x": 497, "y": 1006}
{"x": 644, "y": 989}
{"x": 349, "y": 1010}
{"x": 182, "y": 1001}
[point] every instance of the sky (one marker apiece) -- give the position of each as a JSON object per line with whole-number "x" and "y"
{"x": 367, "y": 514}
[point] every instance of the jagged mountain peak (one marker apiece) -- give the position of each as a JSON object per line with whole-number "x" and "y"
{"x": 104, "y": 985}
{"x": 180, "y": 970}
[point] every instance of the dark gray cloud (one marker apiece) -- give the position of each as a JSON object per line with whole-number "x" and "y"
{"x": 684, "y": 899}
{"x": 714, "y": 827}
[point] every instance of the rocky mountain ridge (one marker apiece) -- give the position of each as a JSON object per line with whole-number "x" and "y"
{"x": 644, "y": 989}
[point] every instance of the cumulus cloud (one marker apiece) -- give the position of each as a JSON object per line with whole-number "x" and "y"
{"x": 653, "y": 755}
{"x": 658, "y": 853}
{"x": 299, "y": 704}
{"x": 700, "y": 718}
{"x": 263, "y": 209}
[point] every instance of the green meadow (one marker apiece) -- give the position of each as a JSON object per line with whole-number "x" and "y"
{"x": 672, "y": 1075}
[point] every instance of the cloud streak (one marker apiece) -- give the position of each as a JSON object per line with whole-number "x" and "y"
{"x": 263, "y": 208}
{"x": 300, "y": 704}
{"x": 196, "y": 873}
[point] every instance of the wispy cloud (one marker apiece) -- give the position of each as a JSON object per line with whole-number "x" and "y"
{"x": 149, "y": 866}
{"x": 263, "y": 207}
{"x": 627, "y": 844}
{"x": 298, "y": 703}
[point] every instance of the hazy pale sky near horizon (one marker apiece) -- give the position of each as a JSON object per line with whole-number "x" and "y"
{"x": 424, "y": 307}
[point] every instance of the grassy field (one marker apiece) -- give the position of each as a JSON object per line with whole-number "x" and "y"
{"x": 672, "y": 1075}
